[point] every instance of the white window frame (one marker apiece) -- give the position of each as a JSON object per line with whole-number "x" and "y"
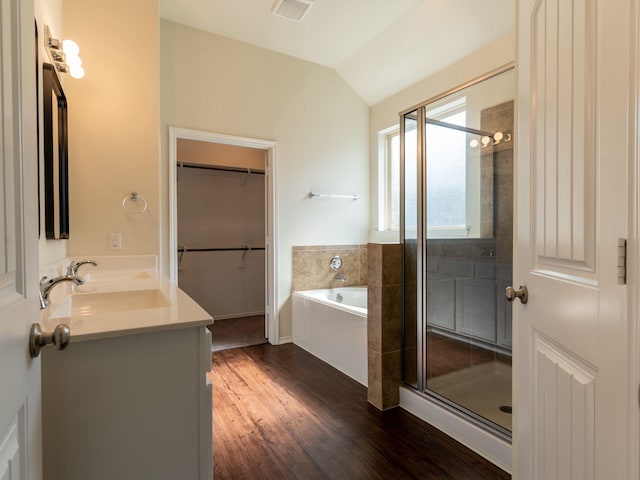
{"x": 384, "y": 179}
{"x": 384, "y": 225}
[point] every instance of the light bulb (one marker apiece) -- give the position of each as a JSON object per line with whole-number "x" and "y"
{"x": 498, "y": 136}
{"x": 485, "y": 141}
{"x": 69, "y": 47}
{"x": 473, "y": 143}
{"x": 73, "y": 61}
{"x": 76, "y": 71}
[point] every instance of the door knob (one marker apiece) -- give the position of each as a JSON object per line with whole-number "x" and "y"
{"x": 522, "y": 293}
{"x": 60, "y": 338}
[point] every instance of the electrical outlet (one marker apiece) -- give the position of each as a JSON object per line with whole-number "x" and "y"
{"x": 115, "y": 241}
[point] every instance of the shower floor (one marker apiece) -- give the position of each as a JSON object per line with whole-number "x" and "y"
{"x": 483, "y": 389}
{"x": 471, "y": 376}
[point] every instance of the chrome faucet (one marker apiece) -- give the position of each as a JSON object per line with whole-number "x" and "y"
{"x": 72, "y": 269}
{"x": 46, "y": 285}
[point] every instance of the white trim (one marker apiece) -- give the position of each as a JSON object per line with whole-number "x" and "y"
{"x": 491, "y": 447}
{"x": 271, "y": 148}
{"x": 384, "y": 176}
{"x": 239, "y": 315}
{"x": 447, "y": 109}
{"x": 633, "y": 246}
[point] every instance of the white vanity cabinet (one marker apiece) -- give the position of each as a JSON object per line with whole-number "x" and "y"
{"x": 132, "y": 406}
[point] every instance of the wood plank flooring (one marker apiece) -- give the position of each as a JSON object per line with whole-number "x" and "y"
{"x": 446, "y": 355}
{"x": 280, "y": 413}
{"x": 237, "y": 332}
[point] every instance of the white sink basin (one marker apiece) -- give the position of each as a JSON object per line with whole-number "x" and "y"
{"x": 85, "y": 304}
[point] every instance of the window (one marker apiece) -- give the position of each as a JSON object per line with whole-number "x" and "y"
{"x": 389, "y": 179}
{"x": 450, "y": 184}
{"x": 446, "y": 179}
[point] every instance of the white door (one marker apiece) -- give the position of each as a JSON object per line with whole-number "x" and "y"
{"x": 20, "y": 426}
{"x": 572, "y": 387}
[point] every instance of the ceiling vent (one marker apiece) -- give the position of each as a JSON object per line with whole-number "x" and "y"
{"x": 292, "y": 9}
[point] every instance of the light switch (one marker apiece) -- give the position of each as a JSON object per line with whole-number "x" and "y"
{"x": 115, "y": 241}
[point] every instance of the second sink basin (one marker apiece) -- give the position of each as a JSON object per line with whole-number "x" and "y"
{"x": 117, "y": 276}
{"x": 85, "y": 304}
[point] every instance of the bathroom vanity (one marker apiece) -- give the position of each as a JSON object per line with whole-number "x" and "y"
{"x": 129, "y": 397}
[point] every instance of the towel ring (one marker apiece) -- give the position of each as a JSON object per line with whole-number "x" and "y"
{"x": 134, "y": 197}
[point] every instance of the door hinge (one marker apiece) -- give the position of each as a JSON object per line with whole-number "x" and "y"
{"x": 622, "y": 261}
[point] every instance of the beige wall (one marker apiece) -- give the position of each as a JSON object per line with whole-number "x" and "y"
{"x": 113, "y": 125}
{"x": 385, "y": 114}
{"x": 321, "y": 125}
{"x": 323, "y": 128}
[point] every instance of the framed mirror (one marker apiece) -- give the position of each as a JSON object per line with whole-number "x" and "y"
{"x": 56, "y": 167}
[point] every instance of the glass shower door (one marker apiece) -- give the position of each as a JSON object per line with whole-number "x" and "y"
{"x": 411, "y": 190}
{"x": 457, "y": 233}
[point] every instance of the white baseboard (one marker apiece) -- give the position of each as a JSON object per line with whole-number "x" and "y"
{"x": 237, "y": 315}
{"x": 284, "y": 340}
{"x": 491, "y": 447}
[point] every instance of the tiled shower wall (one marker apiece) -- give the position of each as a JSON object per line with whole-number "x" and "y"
{"x": 311, "y": 266}
{"x": 384, "y": 324}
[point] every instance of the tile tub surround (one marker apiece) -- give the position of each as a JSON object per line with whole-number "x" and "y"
{"x": 311, "y": 269}
{"x": 384, "y": 324}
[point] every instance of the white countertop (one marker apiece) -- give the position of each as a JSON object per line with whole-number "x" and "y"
{"x": 120, "y": 302}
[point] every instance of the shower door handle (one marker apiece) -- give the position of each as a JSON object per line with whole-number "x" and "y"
{"x": 522, "y": 293}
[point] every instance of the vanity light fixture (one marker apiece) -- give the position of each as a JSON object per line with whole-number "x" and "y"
{"x": 63, "y": 54}
{"x": 492, "y": 140}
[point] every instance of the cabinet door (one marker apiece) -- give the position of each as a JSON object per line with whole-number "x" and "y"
{"x": 476, "y": 308}
{"x": 503, "y": 315}
{"x": 504, "y": 309}
{"x": 441, "y": 303}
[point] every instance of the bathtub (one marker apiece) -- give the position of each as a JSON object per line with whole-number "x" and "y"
{"x": 331, "y": 324}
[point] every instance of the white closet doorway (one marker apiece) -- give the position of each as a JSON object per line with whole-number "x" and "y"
{"x": 221, "y": 226}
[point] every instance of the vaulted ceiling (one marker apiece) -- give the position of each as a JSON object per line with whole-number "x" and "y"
{"x": 379, "y": 47}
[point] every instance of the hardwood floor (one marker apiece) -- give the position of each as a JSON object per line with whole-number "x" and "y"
{"x": 446, "y": 355}
{"x": 237, "y": 332}
{"x": 280, "y": 413}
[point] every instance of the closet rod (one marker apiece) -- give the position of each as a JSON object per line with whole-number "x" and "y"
{"x": 216, "y": 167}
{"x": 182, "y": 249}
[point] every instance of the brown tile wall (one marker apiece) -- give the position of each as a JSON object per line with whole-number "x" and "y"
{"x": 311, "y": 266}
{"x": 384, "y": 324}
{"x": 499, "y": 118}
